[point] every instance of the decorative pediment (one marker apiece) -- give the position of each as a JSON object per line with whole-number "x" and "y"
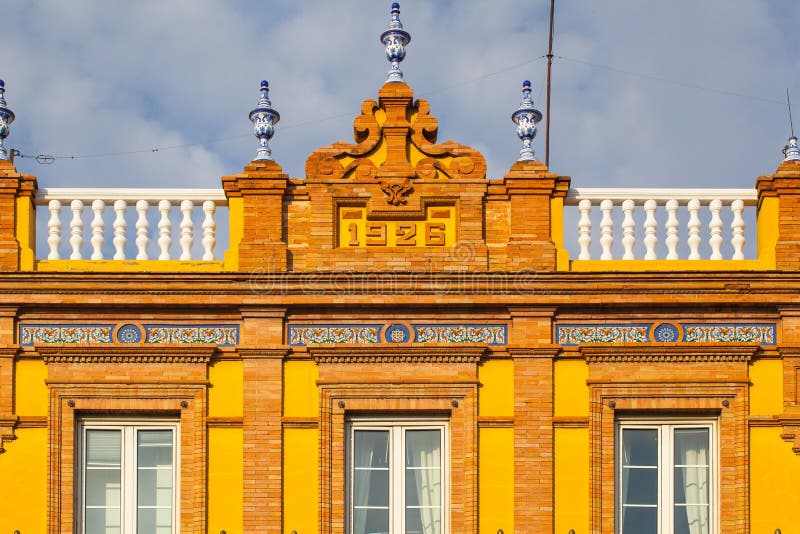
{"x": 395, "y": 149}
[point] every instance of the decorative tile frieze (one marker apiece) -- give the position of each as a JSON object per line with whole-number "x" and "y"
{"x": 127, "y": 333}
{"x": 30, "y": 334}
{"x": 575, "y": 334}
{"x": 301, "y": 335}
{"x": 455, "y": 333}
{"x": 338, "y": 334}
{"x": 667, "y": 332}
{"x": 763, "y": 334}
{"x": 221, "y": 335}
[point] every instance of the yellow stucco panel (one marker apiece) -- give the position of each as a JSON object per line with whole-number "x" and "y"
{"x": 23, "y": 482}
{"x": 301, "y": 395}
{"x": 225, "y": 396}
{"x": 571, "y": 394}
{"x": 300, "y": 490}
{"x": 225, "y": 480}
{"x": 31, "y": 390}
{"x": 496, "y": 479}
{"x": 571, "y": 492}
{"x": 766, "y": 392}
{"x": 774, "y": 472}
{"x": 496, "y": 394}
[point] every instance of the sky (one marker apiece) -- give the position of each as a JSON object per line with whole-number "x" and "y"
{"x": 645, "y": 93}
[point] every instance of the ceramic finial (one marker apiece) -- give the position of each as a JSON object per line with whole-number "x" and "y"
{"x": 791, "y": 151}
{"x": 526, "y": 117}
{"x": 264, "y": 119}
{"x": 395, "y": 39}
{"x": 6, "y": 118}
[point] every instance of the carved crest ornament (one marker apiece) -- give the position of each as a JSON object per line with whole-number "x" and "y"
{"x": 395, "y": 147}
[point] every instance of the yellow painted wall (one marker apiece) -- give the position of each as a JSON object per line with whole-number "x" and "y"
{"x": 774, "y": 472}
{"x": 300, "y": 486}
{"x": 496, "y": 393}
{"x": 496, "y": 480}
{"x": 30, "y": 390}
{"x": 766, "y": 392}
{"x": 300, "y": 392}
{"x": 225, "y": 396}
{"x": 225, "y": 480}
{"x": 571, "y": 479}
{"x": 23, "y": 482}
{"x": 571, "y": 394}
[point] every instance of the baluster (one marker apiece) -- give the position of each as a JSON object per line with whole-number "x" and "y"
{"x": 694, "y": 229}
{"x": 606, "y": 229}
{"x": 650, "y": 225}
{"x": 737, "y": 228}
{"x": 76, "y": 229}
{"x": 209, "y": 230}
{"x": 164, "y": 228}
{"x": 120, "y": 226}
{"x": 54, "y": 229}
{"x": 98, "y": 227}
{"x": 715, "y": 228}
{"x": 142, "y": 226}
{"x": 628, "y": 225}
{"x": 672, "y": 229}
{"x": 584, "y": 229}
{"x": 187, "y": 229}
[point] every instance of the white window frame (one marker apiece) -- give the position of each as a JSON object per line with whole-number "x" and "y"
{"x": 129, "y": 467}
{"x": 397, "y": 428}
{"x": 666, "y": 486}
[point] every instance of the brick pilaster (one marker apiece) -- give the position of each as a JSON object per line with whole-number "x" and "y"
{"x": 784, "y": 184}
{"x": 14, "y": 185}
{"x": 530, "y": 188}
{"x": 261, "y": 188}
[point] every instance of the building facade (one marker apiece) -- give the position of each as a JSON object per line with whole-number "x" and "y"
{"x": 395, "y": 343}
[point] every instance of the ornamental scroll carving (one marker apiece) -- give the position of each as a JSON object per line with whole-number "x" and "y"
{"x": 395, "y": 148}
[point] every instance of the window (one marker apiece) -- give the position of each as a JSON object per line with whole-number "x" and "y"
{"x": 666, "y": 477}
{"x": 128, "y": 477}
{"x": 397, "y": 473}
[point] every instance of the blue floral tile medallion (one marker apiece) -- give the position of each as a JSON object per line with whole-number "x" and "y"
{"x": 397, "y": 333}
{"x": 129, "y": 333}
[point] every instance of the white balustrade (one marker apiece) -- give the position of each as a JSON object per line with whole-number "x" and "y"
{"x": 170, "y": 204}
{"x": 661, "y": 212}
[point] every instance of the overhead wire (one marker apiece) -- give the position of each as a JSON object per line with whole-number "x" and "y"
{"x": 46, "y": 159}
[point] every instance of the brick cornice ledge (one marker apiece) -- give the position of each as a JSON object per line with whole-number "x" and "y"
{"x": 149, "y": 353}
{"x": 270, "y": 352}
{"x": 540, "y": 351}
{"x": 789, "y": 351}
{"x": 454, "y": 353}
{"x": 695, "y": 352}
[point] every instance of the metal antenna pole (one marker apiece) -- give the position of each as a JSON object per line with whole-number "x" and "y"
{"x": 549, "y": 71}
{"x": 789, "y": 104}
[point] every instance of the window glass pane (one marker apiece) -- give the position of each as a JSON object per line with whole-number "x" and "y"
{"x": 640, "y": 446}
{"x": 371, "y": 448}
{"x": 639, "y": 486}
{"x": 154, "y": 448}
{"x": 423, "y": 448}
{"x": 102, "y": 487}
{"x": 154, "y": 521}
{"x": 423, "y": 487}
{"x": 423, "y": 521}
{"x": 691, "y": 485}
{"x": 103, "y": 447}
{"x": 639, "y": 521}
{"x": 102, "y": 521}
{"x": 371, "y": 488}
{"x": 691, "y": 446}
{"x": 691, "y": 520}
{"x": 370, "y": 521}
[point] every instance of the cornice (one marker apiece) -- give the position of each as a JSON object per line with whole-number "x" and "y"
{"x": 272, "y": 352}
{"x": 661, "y": 353}
{"x": 379, "y": 353}
{"x": 199, "y": 354}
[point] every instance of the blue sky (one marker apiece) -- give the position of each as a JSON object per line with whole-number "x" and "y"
{"x": 700, "y": 101}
